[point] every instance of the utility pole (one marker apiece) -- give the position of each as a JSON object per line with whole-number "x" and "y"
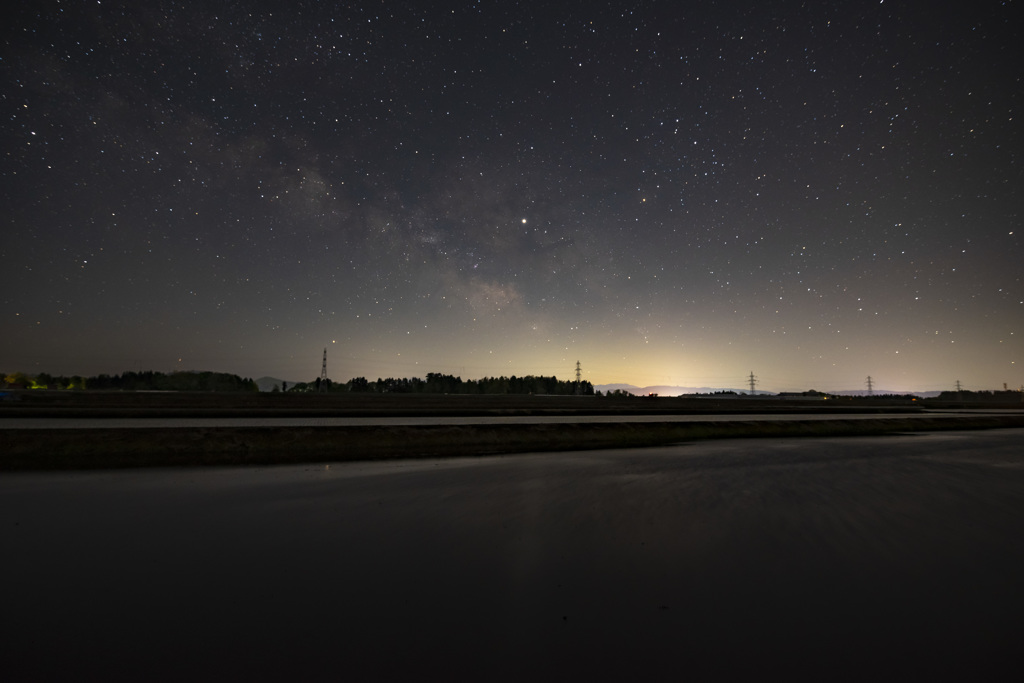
{"x": 753, "y": 381}
{"x": 323, "y": 373}
{"x": 579, "y": 385}
{"x": 871, "y": 388}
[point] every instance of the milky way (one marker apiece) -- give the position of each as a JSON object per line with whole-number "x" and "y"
{"x": 670, "y": 193}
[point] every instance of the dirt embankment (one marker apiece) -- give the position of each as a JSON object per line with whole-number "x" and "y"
{"x": 33, "y": 449}
{"x": 210, "y": 404}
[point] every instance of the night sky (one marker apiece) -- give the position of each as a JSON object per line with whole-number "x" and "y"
{"x": 669, "y": 192}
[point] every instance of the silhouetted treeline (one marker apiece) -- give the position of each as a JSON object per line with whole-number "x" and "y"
{"x": 437, "y": 383}
{"x": 982, "y": 396}
{"x": 138, "y": 381}
{"x": 175, "y": 381}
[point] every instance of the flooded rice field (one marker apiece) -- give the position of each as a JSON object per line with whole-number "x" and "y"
{"x": 837, "y": 558}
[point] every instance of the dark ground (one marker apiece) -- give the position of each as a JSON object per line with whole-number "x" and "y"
{"x": 872, "y": 558}
{"x": 96, "y": 447}
{"x": 209, "y": 404}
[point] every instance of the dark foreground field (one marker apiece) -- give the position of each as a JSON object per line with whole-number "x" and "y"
{"x": 888, "y": 558}
{"x": 33, "y": 449}
{"x": 209, "y": 404}
{"x": 174, "y": 445}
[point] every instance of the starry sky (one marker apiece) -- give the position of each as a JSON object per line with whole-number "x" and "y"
{"x": 669, "y": 192}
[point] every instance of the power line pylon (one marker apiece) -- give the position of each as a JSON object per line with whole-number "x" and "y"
{"x": 753, "y": 382}
{"x": 871, "y": 388}
{"x": 579, "y": 374}
{"x": 323, "y": 373}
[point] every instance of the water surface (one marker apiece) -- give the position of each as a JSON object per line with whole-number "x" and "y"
{"x": 819, "y": 558}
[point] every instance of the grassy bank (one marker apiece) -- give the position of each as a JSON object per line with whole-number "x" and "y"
{"x": 31, "y": 449}
{"x": 118, "y": 404}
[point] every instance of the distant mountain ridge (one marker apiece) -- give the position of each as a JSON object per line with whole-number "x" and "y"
{"x": 666, "y": 390}
{"x": 883, "y": 392}
{"x": 268, "y": 383}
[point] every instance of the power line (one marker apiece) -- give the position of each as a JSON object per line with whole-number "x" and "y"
{"x": 323, "y": 372}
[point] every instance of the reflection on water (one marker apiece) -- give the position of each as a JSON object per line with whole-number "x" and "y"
{"x": 718, "y": 559}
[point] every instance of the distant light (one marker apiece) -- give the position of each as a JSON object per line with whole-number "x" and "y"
{"x": 524, "y": 221}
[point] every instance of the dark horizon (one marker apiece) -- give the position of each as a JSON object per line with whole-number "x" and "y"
{"x": 130, "y": 380}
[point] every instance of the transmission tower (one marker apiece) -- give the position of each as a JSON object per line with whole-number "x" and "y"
{"x": 753, "y": 382}
{"x": 579, "y": 385}
{"x": 323, "y": 372}
{"x": 871, "y": 388}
